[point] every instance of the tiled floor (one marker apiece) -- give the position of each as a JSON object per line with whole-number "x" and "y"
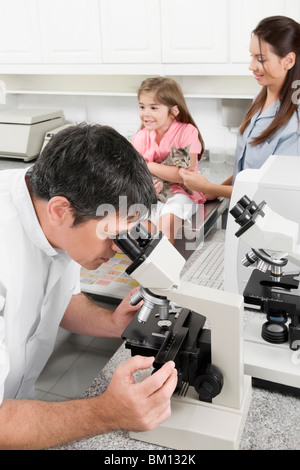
{"x": 73, "y": 365}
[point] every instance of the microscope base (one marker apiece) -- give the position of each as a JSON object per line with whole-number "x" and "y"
{"x": 195, "y": 425}
{"x": 274, "y": 363}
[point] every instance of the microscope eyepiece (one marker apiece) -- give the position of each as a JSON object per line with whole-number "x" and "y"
{"x": 128, "y": 245}
{"x": 246, "y": 203}
{"x": 143, "y": 236}
{"x": 132, "y": 244}
{"x": 240, "y": 214}
{"x": 245, "y": 213}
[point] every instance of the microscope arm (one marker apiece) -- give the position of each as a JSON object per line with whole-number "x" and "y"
{"x": 295, "y": 256}
{"x": 225, "y": 312}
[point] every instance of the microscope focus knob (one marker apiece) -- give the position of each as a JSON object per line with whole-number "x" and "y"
{"x": 209, "y": 384}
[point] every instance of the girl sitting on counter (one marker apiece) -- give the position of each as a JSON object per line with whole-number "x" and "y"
{"x": 165, "y": 123}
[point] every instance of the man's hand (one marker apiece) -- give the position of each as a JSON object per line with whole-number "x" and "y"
{"x": 139, "y": 406}
{"x": 31, "y": 424}
{"x": 125, "y": 312}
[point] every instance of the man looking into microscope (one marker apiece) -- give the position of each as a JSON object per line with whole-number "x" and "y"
{"x": 49, "y": 227}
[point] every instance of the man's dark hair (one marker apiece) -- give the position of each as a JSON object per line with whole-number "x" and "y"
{"x": 91, "y": 165}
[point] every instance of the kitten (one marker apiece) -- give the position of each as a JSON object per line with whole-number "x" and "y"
{"x": 178, "y": 157}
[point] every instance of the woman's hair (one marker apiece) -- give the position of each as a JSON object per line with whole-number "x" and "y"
{"x": 168, "y": 92}
{"x": 93, "y": 166}
{"x": 283, "y": 35}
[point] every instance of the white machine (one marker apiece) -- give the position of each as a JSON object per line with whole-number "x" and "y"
{"x": 52, "y": 132}
{"x": 275, "y": 233}
{"x": 215, "y": 423}
{"x": 22, "y": 131}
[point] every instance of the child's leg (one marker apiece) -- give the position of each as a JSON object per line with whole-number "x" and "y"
{"x": 177, "y": 208}
{"x": 152, "y": 223}
{"x": 169, "y": 225}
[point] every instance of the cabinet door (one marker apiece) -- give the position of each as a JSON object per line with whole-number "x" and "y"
{"x": 194, "y": 31}
{"x": 130, "y": 31}
{"x": 19, "y": 32}
{"x": 245, "y": 16}
{"x": 70, "y": 31}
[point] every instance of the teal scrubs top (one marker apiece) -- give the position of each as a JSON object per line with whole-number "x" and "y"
{"x": 286, "y": 141}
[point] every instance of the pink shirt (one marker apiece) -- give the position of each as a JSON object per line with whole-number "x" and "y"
{"x": 179, "y": 135}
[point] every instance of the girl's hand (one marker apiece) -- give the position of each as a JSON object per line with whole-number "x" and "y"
{"x": 158, "y": 185}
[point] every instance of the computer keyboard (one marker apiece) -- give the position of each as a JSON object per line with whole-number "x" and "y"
{"x": 208, "y": 268}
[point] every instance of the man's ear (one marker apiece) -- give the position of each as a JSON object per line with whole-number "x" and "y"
{"x": 59, "y": 211}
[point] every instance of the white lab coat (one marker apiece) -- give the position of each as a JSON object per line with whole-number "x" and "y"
{"x": 36, "y": 285}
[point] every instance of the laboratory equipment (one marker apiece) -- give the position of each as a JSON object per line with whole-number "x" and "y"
{"x": 210, "y": 405}
{"x": 22, "y": 131}
{"x": 273, "y": 240}
{"x": 276, "y": 182}
{"x": 52, "y": 132}
{"x": 271, "y": 365}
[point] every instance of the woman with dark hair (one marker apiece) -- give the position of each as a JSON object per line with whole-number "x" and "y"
{"x": 271, "y": 125}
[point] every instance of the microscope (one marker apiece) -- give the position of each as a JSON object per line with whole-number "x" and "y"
{"x": 273, "y": 240}
{"x": 212, "y": 398}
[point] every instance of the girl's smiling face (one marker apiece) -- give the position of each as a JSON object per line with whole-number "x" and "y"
{"x": 153, "y": 115}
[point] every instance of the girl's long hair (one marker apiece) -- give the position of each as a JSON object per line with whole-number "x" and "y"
{"x": 283, "y": 35}
{"x": 168, "y": 92}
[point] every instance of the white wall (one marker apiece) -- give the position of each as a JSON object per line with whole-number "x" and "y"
{"x": 122, "y": 113}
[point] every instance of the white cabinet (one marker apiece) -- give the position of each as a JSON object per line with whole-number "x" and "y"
{"x": 19, "y": 32}
{"x": 245, "y": 16}
{"x": 194, "y": 31}
{"x": 130, "y": 31}
{"x": 70, "y": 31}
{"x": 49, "y": 31}
{"x": 132, "y": 37}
